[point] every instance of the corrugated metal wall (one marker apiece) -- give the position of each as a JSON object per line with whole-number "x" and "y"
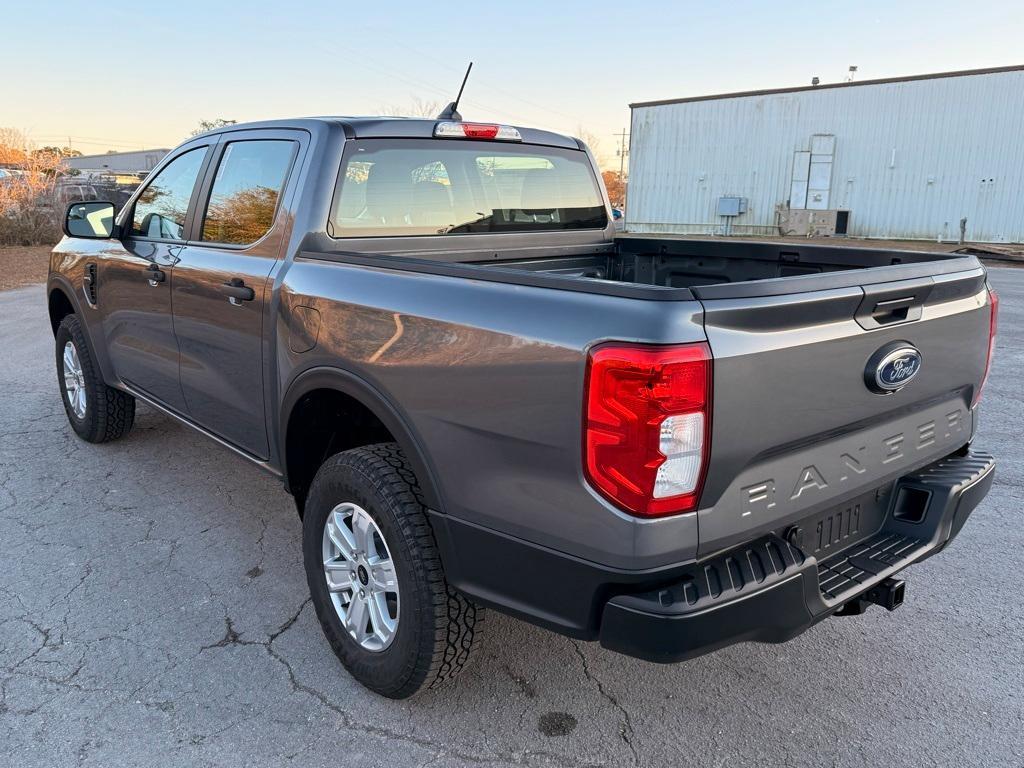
{"x": 142, "y": 160}
{"x": 911, "y": 158}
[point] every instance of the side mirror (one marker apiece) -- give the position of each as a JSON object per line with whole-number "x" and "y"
{"x": 94, "y": 220}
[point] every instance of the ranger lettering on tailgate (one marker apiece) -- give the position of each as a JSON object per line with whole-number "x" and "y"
{"x": 853, "y": 462}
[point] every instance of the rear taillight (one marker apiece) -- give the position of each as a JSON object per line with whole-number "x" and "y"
{"x": 647, "y": 425}
{"x": 993, "y": 320}
{"x": 453, "y": 130}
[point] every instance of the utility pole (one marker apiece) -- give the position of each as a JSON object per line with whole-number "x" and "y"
{"x": 622, "y": 152}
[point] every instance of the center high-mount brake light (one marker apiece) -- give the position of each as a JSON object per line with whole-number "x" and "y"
{"x": 647, "y": 425}
{"x": 453, "y": 130}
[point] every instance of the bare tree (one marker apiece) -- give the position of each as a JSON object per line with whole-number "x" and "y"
{"x": 589, "y": 139}
{"x": 417, "y": 108}
{"x": 14, "y": 146}
{"x": 62, "y": 151}
{"x": 28, "y": 208}
{"x": 209, "y": 125}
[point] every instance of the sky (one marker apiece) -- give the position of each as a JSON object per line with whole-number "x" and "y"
{"x": 127, "y": 75}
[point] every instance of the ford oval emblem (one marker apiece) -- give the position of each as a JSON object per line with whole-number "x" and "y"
{"x": 892, "y": 367}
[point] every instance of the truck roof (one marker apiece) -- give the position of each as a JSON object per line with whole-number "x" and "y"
{"x": 382, "y": 127}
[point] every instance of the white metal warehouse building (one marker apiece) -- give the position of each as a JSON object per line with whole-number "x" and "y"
{"x": 907, "y": 158}
{"x": 114, "y": 162}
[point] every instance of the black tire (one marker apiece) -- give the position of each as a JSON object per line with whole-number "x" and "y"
{"x": 437, "y": 625}
{"x": 109, "y": 413}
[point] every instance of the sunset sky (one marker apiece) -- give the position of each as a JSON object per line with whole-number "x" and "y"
{"x": 125, "y": 75}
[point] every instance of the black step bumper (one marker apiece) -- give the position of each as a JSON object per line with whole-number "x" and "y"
{"x": 770, "y": 590}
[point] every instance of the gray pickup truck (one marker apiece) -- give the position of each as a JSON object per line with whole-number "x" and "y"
{"x": 479, "y": 395}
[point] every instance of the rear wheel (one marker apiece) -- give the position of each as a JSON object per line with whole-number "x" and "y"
{"x": 97, "y": 413}
{"x": 376, "y": 578}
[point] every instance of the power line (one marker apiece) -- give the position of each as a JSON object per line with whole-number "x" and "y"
{"x": 92, "y": 141}
{"x": 623, "y": 152}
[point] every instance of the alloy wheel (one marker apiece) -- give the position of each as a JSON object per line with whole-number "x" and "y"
{"x": 360, "y": 576}
{"x": 74, "y": 380}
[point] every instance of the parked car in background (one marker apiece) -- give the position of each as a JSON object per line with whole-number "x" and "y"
{"x": 11, "y": 176}
{"x": 479, "y": 395}
{"x": 618, "y": 219}
{"x": 68, "y": 191}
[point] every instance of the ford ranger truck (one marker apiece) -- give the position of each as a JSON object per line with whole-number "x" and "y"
{"x": 479, "y": 395}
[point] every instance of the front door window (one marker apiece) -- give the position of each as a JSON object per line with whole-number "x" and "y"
{"x": 160, "y": 209}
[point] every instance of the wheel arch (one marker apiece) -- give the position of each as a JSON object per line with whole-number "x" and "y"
{"x": 63, "y": 300}
{"x": 349, "y": 385}
{"x": 59, "y": 304}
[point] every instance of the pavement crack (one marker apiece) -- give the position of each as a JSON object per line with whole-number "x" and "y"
{"x": 626, "y": 732}
{"x": 374, "y": 730}
{"x": 259, "y": 543}
{"x": 231, "y": 637}
{"x": 438, "y": 751}
{"x": 290, "y": 622}
{"x": 81, "y": 581}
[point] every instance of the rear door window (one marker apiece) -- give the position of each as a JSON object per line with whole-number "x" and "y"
{"x": 246, "y": 190}
{"x": 399, "y": 187}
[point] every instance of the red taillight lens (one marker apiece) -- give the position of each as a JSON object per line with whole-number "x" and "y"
{"x": 647, "y": 425}
{"x": 993, "y": 321}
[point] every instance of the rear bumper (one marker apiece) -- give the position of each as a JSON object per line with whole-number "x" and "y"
{"x": 767, "y": 590}
{"x": 770, "y": 590}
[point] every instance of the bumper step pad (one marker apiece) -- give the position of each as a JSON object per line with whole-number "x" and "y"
{"x": 849, "y": 571}
{"x": 900, "y": 543}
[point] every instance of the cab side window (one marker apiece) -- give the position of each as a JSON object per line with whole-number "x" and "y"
{"x": 160, "y": 209}
{"x": 246, "y": 190}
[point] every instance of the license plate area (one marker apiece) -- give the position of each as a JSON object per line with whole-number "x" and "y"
{"x": 844, "y": 525}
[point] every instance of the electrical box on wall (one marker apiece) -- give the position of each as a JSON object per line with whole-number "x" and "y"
{"x": 732, "y": 206}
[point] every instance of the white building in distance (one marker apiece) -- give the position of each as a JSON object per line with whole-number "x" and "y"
{"x": 899, "y": 158}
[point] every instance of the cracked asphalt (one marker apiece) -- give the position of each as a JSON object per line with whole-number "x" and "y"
{"x": 153, "y": 610}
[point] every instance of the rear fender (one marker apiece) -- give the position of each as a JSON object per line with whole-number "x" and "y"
{"x": 377, "y": 403}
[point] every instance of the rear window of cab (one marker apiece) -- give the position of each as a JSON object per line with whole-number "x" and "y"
{"x": 403, "y": 187}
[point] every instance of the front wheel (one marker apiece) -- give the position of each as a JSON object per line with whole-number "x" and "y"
{"x": 97, "y": 413}
{"x": 376, "y": 578}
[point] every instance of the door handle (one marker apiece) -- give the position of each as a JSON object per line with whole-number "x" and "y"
{"x": 155, "y": 275}
{"x": 893, "y": 303}
{"x": 896, "y": 310}
{"x": 237, "y": 291}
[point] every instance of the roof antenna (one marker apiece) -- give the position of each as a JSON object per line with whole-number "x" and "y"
{"x": 451, "y": 112}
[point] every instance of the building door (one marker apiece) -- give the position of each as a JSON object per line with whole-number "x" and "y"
{"x": 798, "y": 187}
{"x": 819, "y": 176}
{"x": 811, "y": 185}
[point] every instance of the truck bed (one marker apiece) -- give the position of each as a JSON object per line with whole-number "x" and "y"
{"x": 669, "y": 262}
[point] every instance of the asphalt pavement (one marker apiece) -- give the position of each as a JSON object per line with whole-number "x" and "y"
{"x": 153, "y": 611}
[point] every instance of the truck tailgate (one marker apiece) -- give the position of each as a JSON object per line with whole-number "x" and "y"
{"x": 796, "y": 429}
